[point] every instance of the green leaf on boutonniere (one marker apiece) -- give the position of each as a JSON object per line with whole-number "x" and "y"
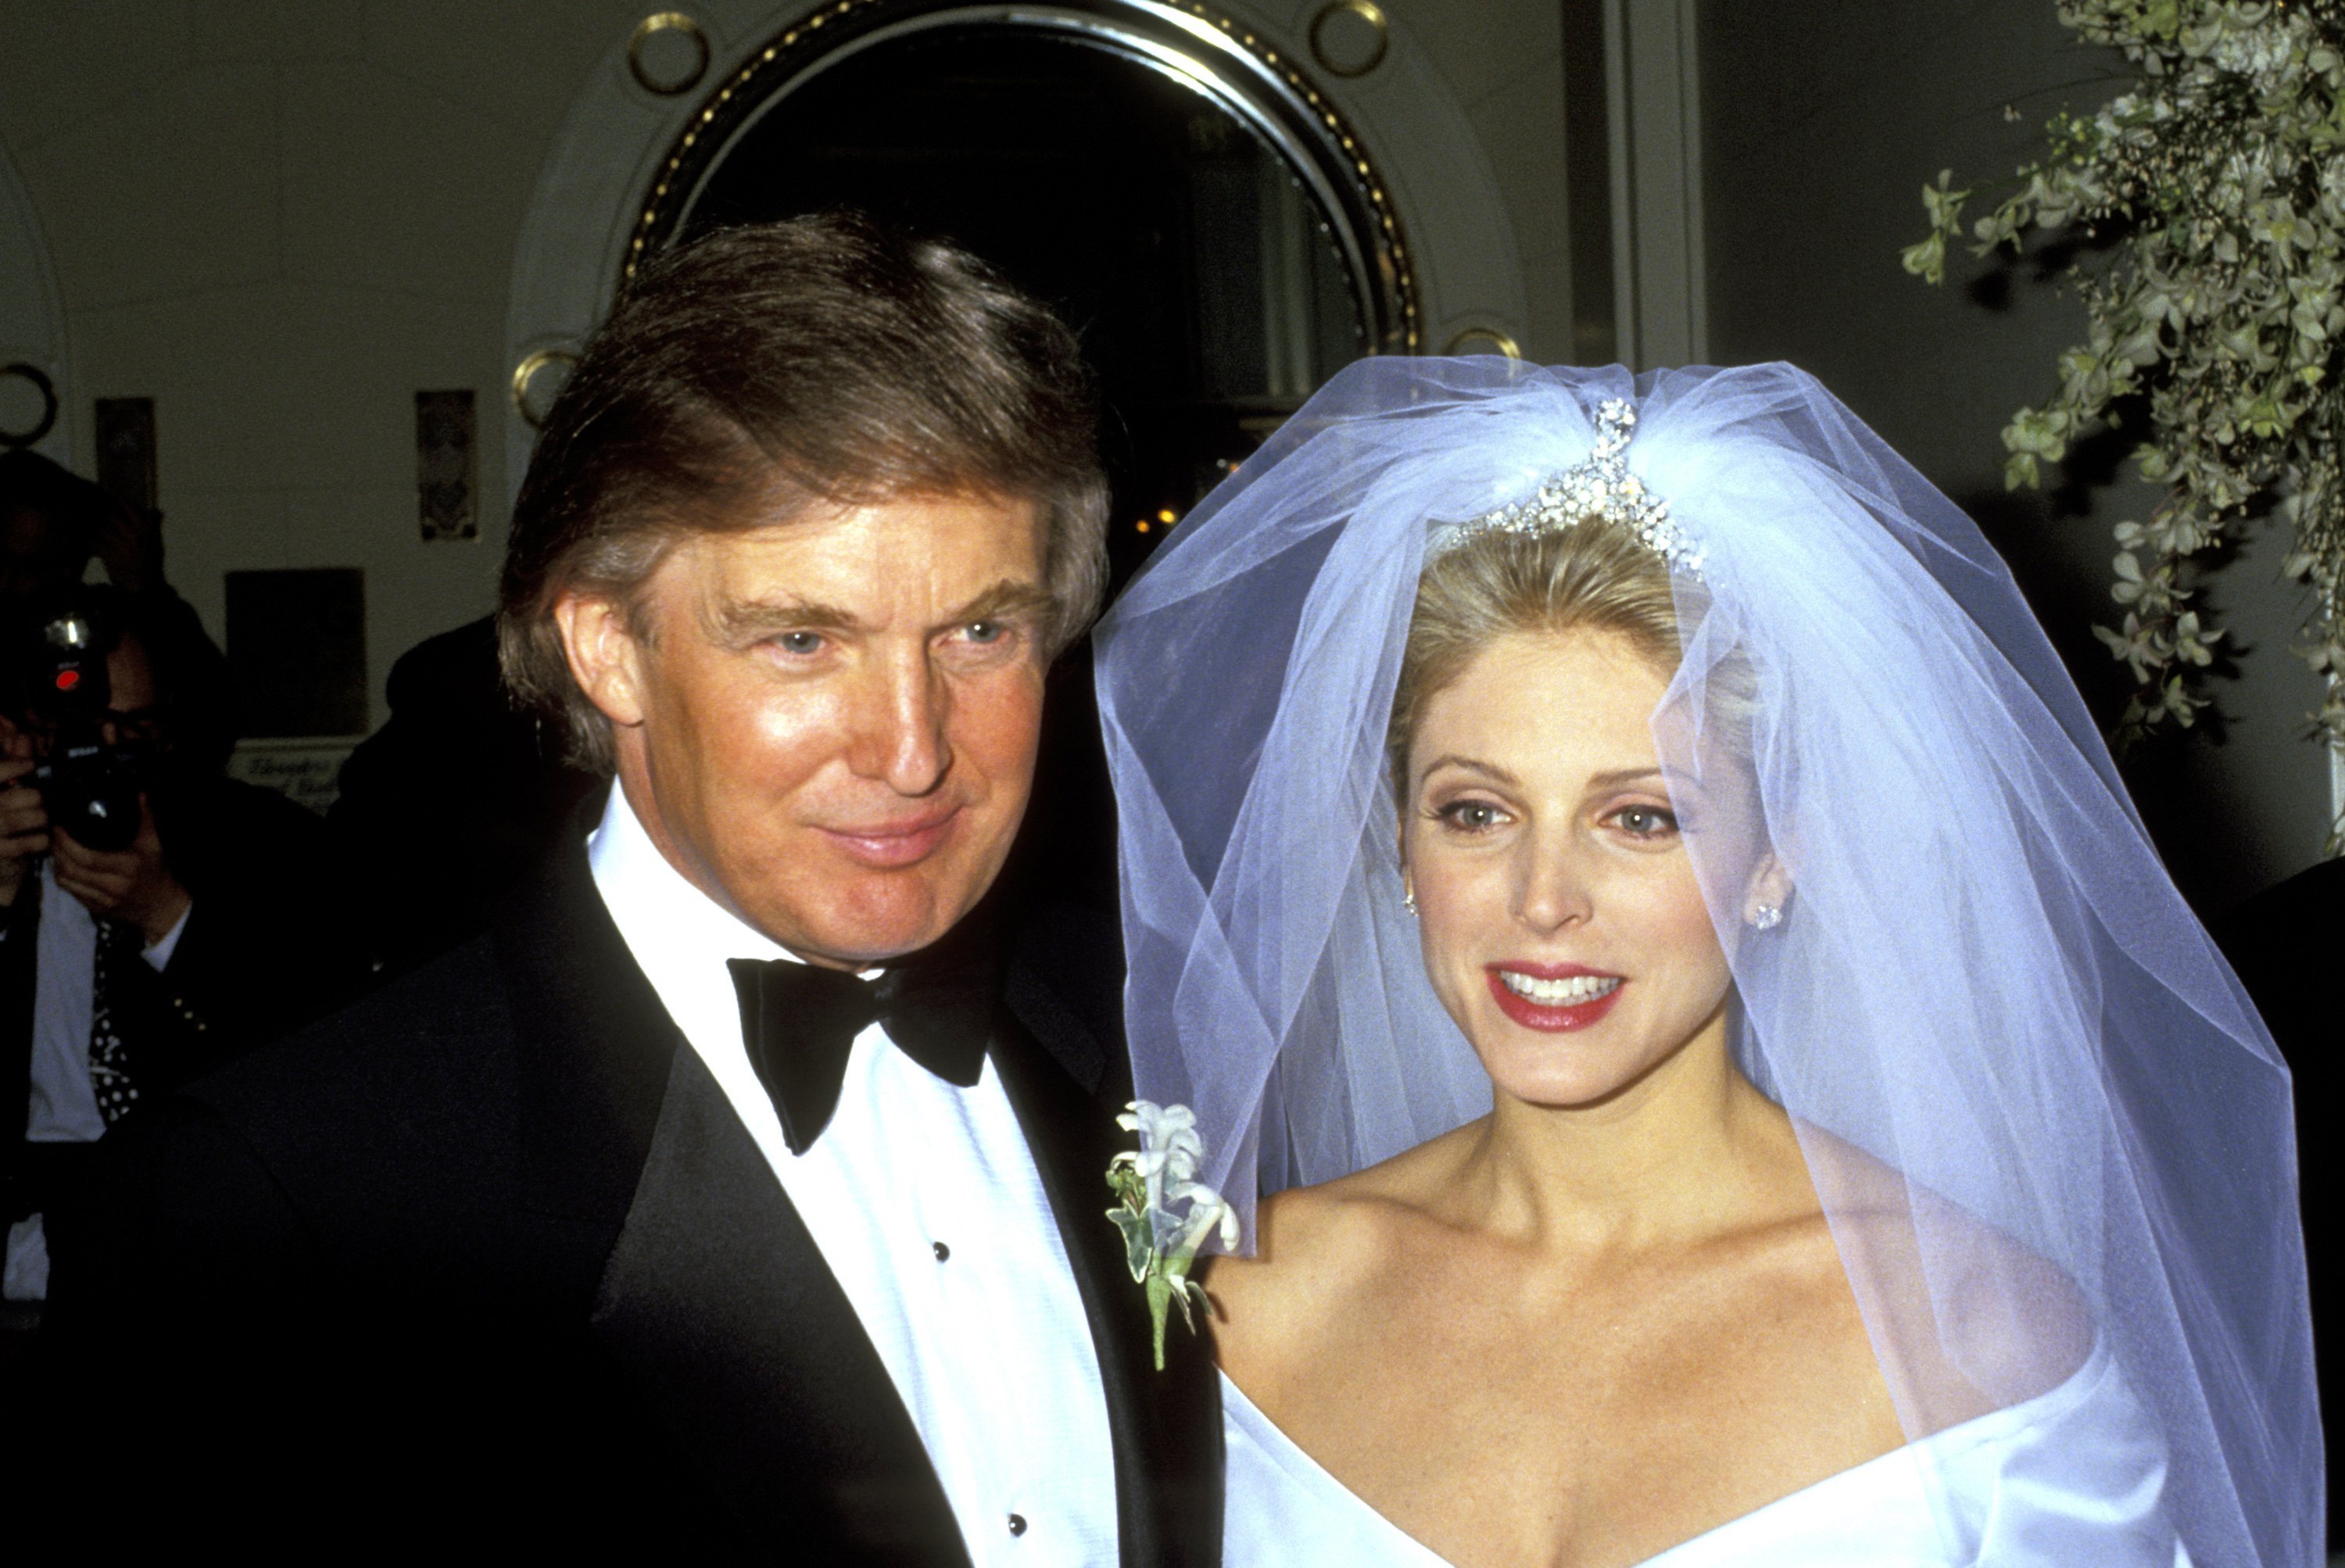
{"x": 1160, "y": 1244}
{"x": 1139, "y": 1240}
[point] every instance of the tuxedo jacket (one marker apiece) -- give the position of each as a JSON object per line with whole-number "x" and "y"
{"x": 489, "y": 1260}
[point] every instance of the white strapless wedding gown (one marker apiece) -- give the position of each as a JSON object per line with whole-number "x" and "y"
{"x": 2071, "y": 1478}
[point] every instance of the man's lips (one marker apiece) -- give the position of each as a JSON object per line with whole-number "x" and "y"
{"x": 1554, "y": 997}
{"x": 885, "y": 845}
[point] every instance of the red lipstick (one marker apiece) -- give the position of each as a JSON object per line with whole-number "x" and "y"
{"x": 1552, "y": 1019}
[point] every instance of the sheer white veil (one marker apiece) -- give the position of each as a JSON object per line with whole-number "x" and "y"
{"x": 1987, "y": 1008}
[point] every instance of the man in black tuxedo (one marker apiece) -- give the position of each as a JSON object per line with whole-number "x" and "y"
{"x": 741, "y": 1193}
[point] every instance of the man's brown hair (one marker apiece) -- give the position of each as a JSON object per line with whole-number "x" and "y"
{"x": 823, "y": 360}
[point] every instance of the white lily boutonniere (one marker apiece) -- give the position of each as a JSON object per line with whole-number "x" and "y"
{"x": 1165, "y": 1213}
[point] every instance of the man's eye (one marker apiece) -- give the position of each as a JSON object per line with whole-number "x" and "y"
{"x": 800, "y": 643}
{"x": 983, "y": 632}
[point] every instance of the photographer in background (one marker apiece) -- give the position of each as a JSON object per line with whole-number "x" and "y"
{"x": 53, "y": 523}
{"x": 158, "y": 917}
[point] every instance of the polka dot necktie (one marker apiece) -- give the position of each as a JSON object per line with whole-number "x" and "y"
{"x": 109, "y": 1059}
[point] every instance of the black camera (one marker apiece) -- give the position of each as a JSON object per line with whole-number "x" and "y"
{"x": 89, "y": 784}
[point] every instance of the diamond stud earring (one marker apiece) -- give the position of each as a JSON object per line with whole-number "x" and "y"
{"x": 1409, "y": 898}
{"x": 1764, "y": 917}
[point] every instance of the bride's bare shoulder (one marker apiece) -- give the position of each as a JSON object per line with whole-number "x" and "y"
{"x": 1979, "y": 1320}
{"x": 1319, "y": 1249}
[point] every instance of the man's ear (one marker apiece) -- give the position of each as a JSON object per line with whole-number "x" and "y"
{"x": 607, "y": 658}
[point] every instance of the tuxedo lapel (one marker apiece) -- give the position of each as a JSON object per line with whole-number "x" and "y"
{"x": 594, "y": 1045}
{"x": 713, "y": 1302}
{"x": 1066, "y": 1088}
{"x": 718, "y": 1306}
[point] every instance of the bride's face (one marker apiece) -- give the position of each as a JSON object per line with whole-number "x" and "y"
{"x": 1562, "y": 925}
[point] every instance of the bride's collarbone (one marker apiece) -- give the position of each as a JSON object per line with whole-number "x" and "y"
{"x": 1506, "y": 1404}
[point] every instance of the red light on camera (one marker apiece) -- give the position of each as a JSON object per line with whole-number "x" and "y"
{"x": 67, "y": 679}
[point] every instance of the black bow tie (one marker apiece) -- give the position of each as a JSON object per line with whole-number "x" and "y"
{"x": 800, "y": 1022}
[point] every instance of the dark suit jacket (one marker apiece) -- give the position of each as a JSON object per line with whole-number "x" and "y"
{"x": 489, "y": 1260}
{"x": 262, "y": 949}
{"x": 430, "y": 878}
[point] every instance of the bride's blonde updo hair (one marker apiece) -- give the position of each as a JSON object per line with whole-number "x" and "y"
{"x": 1593, "y": 576}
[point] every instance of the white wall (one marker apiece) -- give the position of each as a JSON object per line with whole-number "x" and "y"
{"x": 281, "y": 220}
{"x": 32, "y": 315}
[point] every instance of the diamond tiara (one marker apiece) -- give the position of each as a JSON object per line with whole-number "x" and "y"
{"x": 1598, "y": 486}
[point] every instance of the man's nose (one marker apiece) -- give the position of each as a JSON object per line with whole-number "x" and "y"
{"x": 1553, "y": 882}
{"x": 901, "y": 722}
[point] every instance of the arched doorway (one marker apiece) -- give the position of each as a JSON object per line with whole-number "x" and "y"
{"x": 1216, "y": 219}
{"x": 1417, "y": 235}
{"x": 1188, "y": 200}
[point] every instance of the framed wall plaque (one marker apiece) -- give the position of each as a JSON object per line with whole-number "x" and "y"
{"x": 126, "y": 451}
{"x": 447, "y": 465}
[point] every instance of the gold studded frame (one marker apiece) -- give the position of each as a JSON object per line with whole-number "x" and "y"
{"x": 1249, "y": 74}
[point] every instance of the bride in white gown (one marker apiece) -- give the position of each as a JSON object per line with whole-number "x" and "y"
{"x": 1737, "y": 1086}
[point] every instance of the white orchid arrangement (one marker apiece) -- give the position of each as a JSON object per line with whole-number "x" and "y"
{"x": 2213, "y": 188}
{"x": 1164, "y": 1212}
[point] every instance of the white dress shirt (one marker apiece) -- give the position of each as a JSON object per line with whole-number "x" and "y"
{"x": 61, "y": 1106}
{"x": 924, "y": 1199}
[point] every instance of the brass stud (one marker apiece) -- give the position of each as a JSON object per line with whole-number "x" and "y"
{"x": 531, "y": 367}
{"x": 43, "y": 388}
{"x": 651, "y": 27}
{"x": 1482, "y": 341}
{"x": 1366, "y": 11}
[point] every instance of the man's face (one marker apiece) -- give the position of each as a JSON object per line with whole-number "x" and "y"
{"x": 828, "y": 725}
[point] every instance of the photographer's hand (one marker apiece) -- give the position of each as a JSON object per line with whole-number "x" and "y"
{"x": 24, "y": 820}
{"x": 132, "y": 884}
